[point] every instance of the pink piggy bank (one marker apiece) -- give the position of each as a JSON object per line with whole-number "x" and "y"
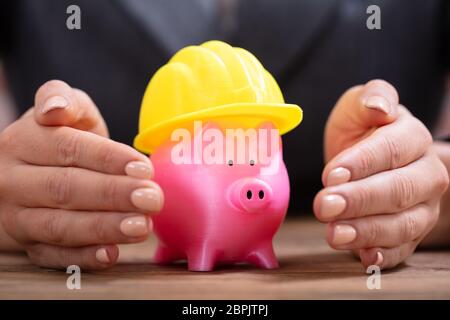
{"x": 221, "y": 212}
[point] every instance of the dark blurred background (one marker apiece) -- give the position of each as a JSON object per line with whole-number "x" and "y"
{"x": 316, "y": 49}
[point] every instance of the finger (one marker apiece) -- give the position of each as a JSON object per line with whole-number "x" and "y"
{"x": 377, "y": 95}
{"x": 387, "y": 258}
{"x": 78, "y": 228}
{"x": 87, "y": 258}
{"x": 28, "y": 114}
{"x": 383, "y": 230}
{"x": 371, "y": 105}
{"x": 385, "y": 192}
{"x": 359, "y": 109}
{"x": 57, "y": 104}
{"x": 81, "y": 189}
{"x": 63, "y": 146}
{"x": 387, "y": 148}
{"x": 89, "y": 117}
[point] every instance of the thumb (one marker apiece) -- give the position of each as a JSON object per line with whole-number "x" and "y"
{"x": 360, "y": 110}
{"x": 58, "y": 104}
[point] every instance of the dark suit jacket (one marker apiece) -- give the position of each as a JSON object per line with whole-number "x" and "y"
{"x": 316, "y": 49}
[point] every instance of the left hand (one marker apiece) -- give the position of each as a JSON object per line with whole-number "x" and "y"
{"x": 383, "y": 181}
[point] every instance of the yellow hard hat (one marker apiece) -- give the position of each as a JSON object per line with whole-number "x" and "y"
{"x": 213, "y": 81}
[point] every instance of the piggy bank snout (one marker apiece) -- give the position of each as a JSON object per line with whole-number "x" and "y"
{"x": 251, "y": 194}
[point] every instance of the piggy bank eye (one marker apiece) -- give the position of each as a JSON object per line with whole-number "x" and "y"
{"x": 230, "y": 163}
{"x": 252, "y": 162}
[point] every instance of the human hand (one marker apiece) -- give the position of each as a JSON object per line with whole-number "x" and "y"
{"x": 69, "y": 194}
{"x": 383, "y": 181}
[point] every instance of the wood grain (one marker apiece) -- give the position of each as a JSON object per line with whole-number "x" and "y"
{"x": 309, "y": 270}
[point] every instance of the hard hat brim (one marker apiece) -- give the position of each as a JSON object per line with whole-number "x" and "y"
{"x": 285, "y": 117}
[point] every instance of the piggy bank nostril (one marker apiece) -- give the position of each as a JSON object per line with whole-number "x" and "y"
{"x": 249, "y": 194}
{"x": 261, "y": 194}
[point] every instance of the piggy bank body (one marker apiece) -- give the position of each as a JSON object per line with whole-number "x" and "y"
{"x": 219, "y": 213}
{"x": 215, "y": 212}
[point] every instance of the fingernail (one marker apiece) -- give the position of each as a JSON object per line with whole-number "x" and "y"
{"x": 332, "y": 205}
{"x": 379, "y": 259}
{"x": 343, "y": 234}
{"x": 55, "y": 102}
{"x": 378, "y": 103}
{"x": 338, "y": 176}
{"x": 102, "y": 256}
{"x": 139, "y": 169}
{"x": 134, "y": 227}
{"x": 147, "y": 199}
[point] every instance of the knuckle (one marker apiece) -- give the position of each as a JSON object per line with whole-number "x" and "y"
{"x": 360, "y": 201}
{"x": 110, "y": 192}
{"x": 410, "y": 228}
{"x": 373, "y": 233}
{"x": 394, "y": 151}
{"x": 403, "y": 190}
{"x": 58, "y": 186}
{"x": 68, "y": 148}
{"x": 366, "y": 160}
{"x": 106, "y": 155}
{"x": 99, "y": 230}
{"x": 53, "y": 229}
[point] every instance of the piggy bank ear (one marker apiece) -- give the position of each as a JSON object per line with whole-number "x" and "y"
{"x": 209, "y": 131}
{"x": 267, "y": 125}
{"x": 210, "y": 125}
{"x": 269, "y": 131}
{"x": 270, "y": 155}
{"x": 200, "y": 127}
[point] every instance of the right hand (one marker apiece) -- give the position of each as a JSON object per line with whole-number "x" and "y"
{"x": 69, "y": 194}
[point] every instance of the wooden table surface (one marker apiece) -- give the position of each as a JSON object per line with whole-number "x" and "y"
{"x": 309, "y": 270}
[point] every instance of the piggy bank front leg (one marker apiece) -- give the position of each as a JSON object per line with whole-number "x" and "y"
{"x": 165, "y": 255}
{"x": 202, "y": 258}
{"x": 263, "y": 257}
